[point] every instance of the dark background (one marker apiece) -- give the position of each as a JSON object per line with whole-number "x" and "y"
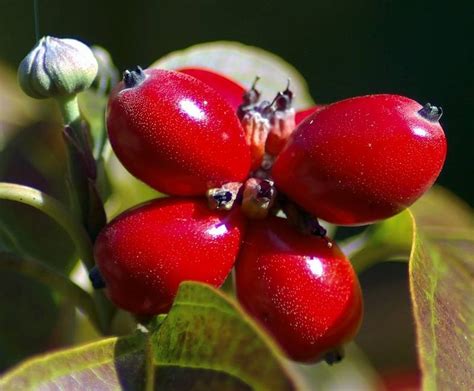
{"x": 342, "y": 47}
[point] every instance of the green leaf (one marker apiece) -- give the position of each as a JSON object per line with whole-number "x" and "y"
{"x": 105, "y": 365}
{"x": 442, "y": 290}
{"x": 392, "y": 239}
{"x": 439, "y": 236}
{"x": 55, "y": 247}
{"x": 206, "y": 342}
{"x": 10, "y": 317}
{"x": 207, "y": 339}
{"x": 49, "y": 206}
{"x": 242, "y": 63}
{"x": 439, "y": 209}
{"x": 31, "y": 155}
{"x": 59, "y": 282}
{"x": 29, "y": 313}
{"x": 387, "y": 240}
{"x": 23, "y": 300}
{"x": 93, "y": 105}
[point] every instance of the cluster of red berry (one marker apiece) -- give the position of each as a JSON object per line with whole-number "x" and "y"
{"x": 237, "y": 166}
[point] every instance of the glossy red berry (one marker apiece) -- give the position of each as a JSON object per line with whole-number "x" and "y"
{"x": 303, "y": 114}
{"x": 145, "y": 253}
{"x": 230, "y": 90}
{"x": 175, "y": 133}
{"x": 362, "y": 159}
{"x": 302, "y": 291}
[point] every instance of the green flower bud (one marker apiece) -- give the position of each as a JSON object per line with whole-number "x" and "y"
{"x": 57, "y": 67}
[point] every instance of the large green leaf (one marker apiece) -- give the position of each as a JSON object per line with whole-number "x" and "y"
{"x": 442, "y": 290}
{"x": 242, "y": 63}
{"x": 439, "y": 233}
{"x": 441, "y": 209}
{"x": 25, "y": 302}
{"x": 58, "y": 282}
{"x": 104, "y": 365}
{"x": 205, "y": 343}
{"x": 34, "y": 293}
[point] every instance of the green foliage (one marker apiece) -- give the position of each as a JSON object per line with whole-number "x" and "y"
{"x": 206, "y": 342}
{"x": 387, "y": 240}
{"x": 31, "y": 151}
{"x": 25, "y": 302}
{"x": 58, "y": 283}
{"x": 442, "y": 288}
{"x": 437, "y": 238}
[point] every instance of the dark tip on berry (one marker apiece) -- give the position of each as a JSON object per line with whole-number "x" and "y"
{"x": 249, "y": 99}
{"x": 254, "y": 84}
{"x": 318, "y": 230}
{"x": 334, "y": 357}
{"x": 283, "y": 100}
{"x": 313, "y": 226}
{"x": 96, "y": 278}
{"x": 431, "y": 113}
{"x": 252, "y": 95}
{"x": 266, "y": 109}
{"x": 222, "y": 197}
{"x": 133, "y": 78}
{"x": 266, "y": 189}
{"x": 287, "y": 91}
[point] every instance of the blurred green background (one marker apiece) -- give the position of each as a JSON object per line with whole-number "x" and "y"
{"x": 343, "y": 48}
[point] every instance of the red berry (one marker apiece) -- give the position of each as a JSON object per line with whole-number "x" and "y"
{"x": 302, "y": 291}
{"x": 175, "y": 133}
{"x": 362, "y": 159}
{"x": 145, "y": 253}
{"x": 303, "y": 114}
{"x": 230, "y": 90}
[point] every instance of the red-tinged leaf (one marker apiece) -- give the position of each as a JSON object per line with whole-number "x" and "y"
{"x": 205, "y": 343}
{"x": 105, "y": 365}
{"x": 440, "y": 208}
{"x": 439, "y": 235}
{"x": 442, "y": 290}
